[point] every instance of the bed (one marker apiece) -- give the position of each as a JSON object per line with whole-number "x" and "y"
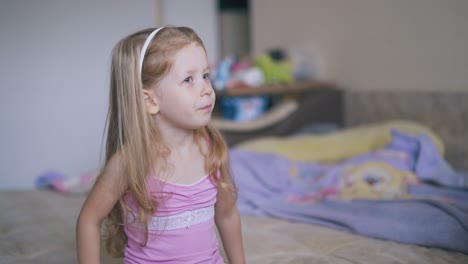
{"x": 38, "y": 226}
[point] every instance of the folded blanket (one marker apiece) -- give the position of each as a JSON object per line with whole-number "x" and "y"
{"x": 388, "y": 193}
{"x": 67, "y": 185}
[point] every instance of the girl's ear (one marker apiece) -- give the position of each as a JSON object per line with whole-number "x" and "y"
{"x": 152, "y": 106}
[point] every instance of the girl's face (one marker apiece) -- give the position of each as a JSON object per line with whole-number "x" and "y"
{"x": 185, "y": 96}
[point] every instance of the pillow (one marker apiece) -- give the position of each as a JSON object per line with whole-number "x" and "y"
{"x": 339, "y": 145}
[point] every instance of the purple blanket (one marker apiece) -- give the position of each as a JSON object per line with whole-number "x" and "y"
{"x": 404, "y": 192}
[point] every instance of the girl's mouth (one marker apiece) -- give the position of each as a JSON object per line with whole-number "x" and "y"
{"x": 206, "y": 107}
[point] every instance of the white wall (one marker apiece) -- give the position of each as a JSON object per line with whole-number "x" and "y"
{"x": 372, "y": 44}
{"x": 54, "y": 82}
{"x": 200, "y": 15}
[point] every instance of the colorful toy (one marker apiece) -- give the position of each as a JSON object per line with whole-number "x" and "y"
{"x": 274, "y": 71}
{"x": 244, "y": 108}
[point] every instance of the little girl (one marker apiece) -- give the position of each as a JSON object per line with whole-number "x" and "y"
{"x": 166, "y": 181}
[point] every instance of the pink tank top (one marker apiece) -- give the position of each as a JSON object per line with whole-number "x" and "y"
{"x": 182, "y": 230}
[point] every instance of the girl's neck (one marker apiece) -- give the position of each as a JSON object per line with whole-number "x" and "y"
{"x": 178, "y": 141}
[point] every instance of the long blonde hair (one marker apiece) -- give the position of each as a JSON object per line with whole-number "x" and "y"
{"x": 133, "y": 134}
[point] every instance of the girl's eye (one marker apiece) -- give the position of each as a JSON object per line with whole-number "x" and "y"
{"x": 206, "y": 76}
{"x": 188, "y": 80}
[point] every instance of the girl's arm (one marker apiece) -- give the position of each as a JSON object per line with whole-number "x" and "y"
{"x": 100, "y": 201}
{"x": 229, "y": 227}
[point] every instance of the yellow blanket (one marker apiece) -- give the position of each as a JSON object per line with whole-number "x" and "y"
{"x": 339, "y": 145}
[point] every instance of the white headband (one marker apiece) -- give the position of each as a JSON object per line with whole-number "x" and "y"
{"x": 145, "y": 47}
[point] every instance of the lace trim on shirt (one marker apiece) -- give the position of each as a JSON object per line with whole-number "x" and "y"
{"x": 182, "y": 220}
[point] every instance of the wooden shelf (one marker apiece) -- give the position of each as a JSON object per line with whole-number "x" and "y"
{"x": 278, "y": 89}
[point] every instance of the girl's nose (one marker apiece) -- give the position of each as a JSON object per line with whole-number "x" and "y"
{"x": 207, "y": 89}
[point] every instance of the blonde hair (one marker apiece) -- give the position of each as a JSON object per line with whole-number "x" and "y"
{"x": 133, "y": 135}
